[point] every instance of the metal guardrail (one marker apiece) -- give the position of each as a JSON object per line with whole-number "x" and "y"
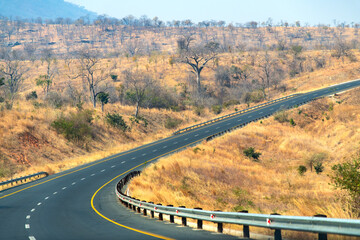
{"x": 316, "y": 224}
{"x": 234, "y": 114}
{"x": 24, "y": 179}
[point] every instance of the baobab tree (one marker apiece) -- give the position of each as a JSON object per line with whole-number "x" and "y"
{"x": 197, "y": 57}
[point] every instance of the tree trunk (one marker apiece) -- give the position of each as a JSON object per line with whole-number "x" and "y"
{"x": 93, "y": 97}
{"x": 198, "y": 81}
{"x": 137, "y": 110}
{"x": 102, "y": 107}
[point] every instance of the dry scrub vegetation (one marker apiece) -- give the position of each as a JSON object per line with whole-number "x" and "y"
{"x": 249, "y": 65}
{"x": 216, "y": 175}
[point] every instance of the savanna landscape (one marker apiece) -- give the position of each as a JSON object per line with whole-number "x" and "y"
{"x": 72, "y": 92}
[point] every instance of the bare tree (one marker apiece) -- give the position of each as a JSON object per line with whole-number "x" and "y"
{"x": 12, "y": 70}
{"x": 266, "y": 72}
{"x": 46, "y": 80}
{"x": 30, "y": 50}
{"x": 91, "y": 72}
{"x": 134, "y": 47}
{"x": 197, "y": 57}
{"x": 137, "y": 83}
{"x": 223, "y": 82}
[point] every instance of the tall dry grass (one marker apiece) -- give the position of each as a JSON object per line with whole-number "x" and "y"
{"x": 217, "y": 176}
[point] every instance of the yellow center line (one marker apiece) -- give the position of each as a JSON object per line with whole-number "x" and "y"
{"x": 119, "y": 224}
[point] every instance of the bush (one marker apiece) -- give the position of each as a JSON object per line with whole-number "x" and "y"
{"x": 281, "y": 117}
{"x": 250, "y": 153}
{"x": 171, "y": 123}
{"x": 114, "y": 77}
{"x": 199, "y": 110}
{"x": 54, "y": 100}
{"x": 347, "y": 176}
{"x": 292, "y": 122}
{"x": 254, "y": 97}
{"x": 76, "y": 127}
{"x": 216, "y": 109}
{"x": 115, "y": 120}
{"x": 301, "y": 170}
{"x": 31, "y": 96}
{"x": 230, "y": 103}
{"x": 319, "y": 168}
{"x": 316, "y": 159}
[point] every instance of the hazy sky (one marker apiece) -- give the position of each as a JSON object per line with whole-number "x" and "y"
{"x": 310, "y": 11}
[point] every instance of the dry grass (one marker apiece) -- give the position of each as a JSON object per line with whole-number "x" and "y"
{"x": 30, "y": 144}
{"x": 217, "y": 176}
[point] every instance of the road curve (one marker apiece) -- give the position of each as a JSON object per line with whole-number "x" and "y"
{"x": 80, "y": 203}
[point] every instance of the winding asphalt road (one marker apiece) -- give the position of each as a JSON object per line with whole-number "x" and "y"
{"x": 81, "y": 204}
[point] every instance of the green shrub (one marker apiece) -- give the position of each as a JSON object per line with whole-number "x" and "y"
{"x": 138, "y": 119}
{"x": 347, "y": 176}
{"x": 76, "y": 127}
{"x": 230, "y": 103}
{"x": 301, "y": 170}
{"x": 171, "y": 123}
{"x": 281, "y": 117}
{"x": 319, "y": 168}
{"x": 115, "y": 120}
{"x": 31, "y": 96}
{"x": 316, "y": 159}
{"x": 114, "y": 77}
{"x": 199, "y": 110}
{"x": 250, "y": 153}
{"x": 255, "y": 97}
{"x": 292, "y": 122}
{"x": 216, "y": 109}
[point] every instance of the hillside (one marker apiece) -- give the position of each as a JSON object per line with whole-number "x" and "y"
{"x": 217, "y": 174}
{"x": 46, "y": 9}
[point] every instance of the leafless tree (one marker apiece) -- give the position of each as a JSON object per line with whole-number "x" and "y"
{"x": 91, "y": 72}
{"x": 197, "y": 57}
{"x": 134, "y": 47}
{"x": 30, "y": 50}
{"x": 12, "y": 69}
{"x": 266, "y": 72}
{"x": 342, "y": 49}
{"x": 137, "y": 83}
{"x": 223, "y": 82}
{"x": 47, "y": 79}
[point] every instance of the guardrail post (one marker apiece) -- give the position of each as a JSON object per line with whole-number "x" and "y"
{"x": 152, "y": 214}
{"x": 322, "y": 236}
{"x": 246, "y": 229}
{"x": 199, "y": 221}
{"x": 172, "y": 220}
{"x": 277, "y": 234}
{"x": 220, "y": 228}
{"x": 183, "y": 219}
{"x": 160, "y": 214}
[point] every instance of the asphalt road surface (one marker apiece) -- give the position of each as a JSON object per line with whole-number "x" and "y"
{"x": 81, "y": 203}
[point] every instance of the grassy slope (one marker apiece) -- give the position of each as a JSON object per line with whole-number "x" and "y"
{"x": 28, "y": 140}
{"x": 218, "y": 176}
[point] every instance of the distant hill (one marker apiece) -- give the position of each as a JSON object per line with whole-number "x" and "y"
{"x": 46, "y": 9}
